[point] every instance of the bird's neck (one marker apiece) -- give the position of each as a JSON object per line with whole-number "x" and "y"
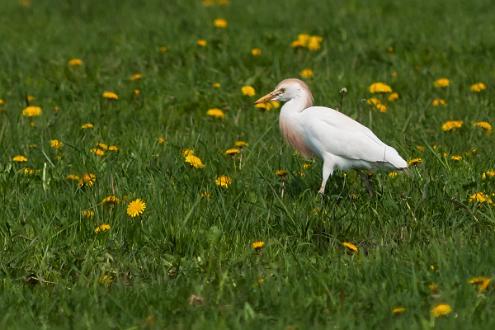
{"x": 298, "y": 103}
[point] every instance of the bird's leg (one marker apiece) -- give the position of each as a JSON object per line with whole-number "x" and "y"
{"x": 367, "y": 183}
{"x": 327, "y": 171}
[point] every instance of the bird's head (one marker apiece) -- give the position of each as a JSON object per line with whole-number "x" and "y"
{"x": 289, "y": 89}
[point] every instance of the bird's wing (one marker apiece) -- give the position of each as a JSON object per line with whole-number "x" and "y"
{"x": 331, "y": 131}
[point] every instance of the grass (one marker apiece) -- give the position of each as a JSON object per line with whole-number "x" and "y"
{"x": 419, "y": 228}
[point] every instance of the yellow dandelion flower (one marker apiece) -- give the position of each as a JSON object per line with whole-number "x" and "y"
{"x": 393, "y": 97}
{"x": 28, "y": 171}
{"x": 113, "y": 148}
{"x": 415, "y": 161}
{"x": 307, "y": 166}
{"x": 30, "y": 98}
{"x": 350, "y": 246}
{"x": 206, "y": 194}
{"x": 488, "y": 174}
{"x": 223, "y": 181}
{"x": 281, "y": 173}
{"x": 379, "y": 87}
{"x": 201, "y": 42}
{"x": 398, "y": 310}
{"x": 484, "y": 125}
{"x": 75, "y": 62}
{"x": 220, "y": 23}
{"x": 194, "y": 161}
{"x": 478, "y": 87}
{"x": 438, "y": 102}
{"x": 433, "y": 286}
{"x": 268, "y": 105}
{"x": 136, "y": 76}
{"x": 97, "y": 151}
{"x": 456, "y": 158}
{"x": 163, "y": 49}
{"x": 109, "y": 95}
{"x": 374, "y": 101}
{"x": 32, "y": 111}
{"x": 56, "y": 144}
{"x": 106, "y": 279}
{"x": 136, "y": 208}
{"x": 110, "y": 199}
{"x": 256, "y": 52}
{"x": 187, "y": 152}
{"x": 248, "y": 90}
{"x": 87, "y": 179}
{"x": 441, "y": 83}
{"x": 19, "y": 159}
{"x": 314, "y": 43}
{"x": 232, "y": 151}
{"x": 2, "y": 102}
{"x": 441, "y": 310}
{"x": 420, "y": 148}
{"x": 87, "y": 126}
{"x": 301, "y": 41}
{"x": 482, "y": 282}
{"x": 381, "y": 107}
{"x": 257, "y": 245}
{"x": 481, "y": 198}
{"x": 104, "y": 227}
{"x": 216, "y": 85}
{"x": 215, "y": 113}
{"x": 102, "y": 146}
{"x": 88, "y": 214}
{"x": 240, "y": 144}
{"x": 136, "y": 92}
{"x": 452, "y": 125}
{"x": 392, "y": 174}
{"x": 161, "y": 140}
{"x": 306, "y": 73}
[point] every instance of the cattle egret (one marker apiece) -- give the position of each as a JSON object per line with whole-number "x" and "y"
{"x": 340, "y": 141}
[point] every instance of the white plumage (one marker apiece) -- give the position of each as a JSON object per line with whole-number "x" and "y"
{"x": 340, "y": 141}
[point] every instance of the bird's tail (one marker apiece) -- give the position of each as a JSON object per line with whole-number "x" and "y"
{"x": 394, "y": 159}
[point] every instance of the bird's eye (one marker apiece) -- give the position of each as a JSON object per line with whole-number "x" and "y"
{"x": 282, "y": 90}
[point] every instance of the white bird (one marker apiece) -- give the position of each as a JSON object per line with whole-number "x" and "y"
{"x": 340, "y": 141}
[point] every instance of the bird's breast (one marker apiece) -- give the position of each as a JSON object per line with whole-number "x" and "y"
{"x": 294, "y": 135}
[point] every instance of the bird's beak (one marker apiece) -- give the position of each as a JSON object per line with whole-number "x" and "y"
{"x": 268, "y": 97}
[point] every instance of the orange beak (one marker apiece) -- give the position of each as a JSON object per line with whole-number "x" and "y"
{"x": 268, "y": 97}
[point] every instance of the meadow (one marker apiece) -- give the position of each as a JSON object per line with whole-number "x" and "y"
{"x": 128, "y": 203}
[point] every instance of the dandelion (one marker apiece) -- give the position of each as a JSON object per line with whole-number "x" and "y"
{"x": 393, "y": 97}
{"x": 56, "y": 144}
{"x": 240, "y": 144}
{"x": 220, "y": 23}
{"x": 350, "y": 246}
{"x": 257, "y": 245}
{"x": 301, "y": 41}
{"x": 481, "y": 198}
{"x": 20, "y": 159}
{"x": 256, "y": 52}
{"x": 223, "y": 181}
{"x": 28, "y": 171}
{"x": 32, "y": 111}
{"x": 97, "y": 151}
{"x": 314, "y": 43}
{"x": 215, "y": 113}
{"x": 484, "y": 125}
{"x": 415, "y": 161}
{"x": 482, "y": 282}
{"x": 268, "y": 105}
{"x": 438, "y": 102}
{"x": 87, "y": 179}
{"x": 488, "y": 174}
{"x": 248, "y": 90}
{"x": 75, "y": 62}
{"x": 102, "y": 146}
{"x": 163, "y": 49}
{"x": 136, "y": 208}
{"x": 381, "y": 107}
{"x": 441, "y": 83}
{"x": 109, "y": 95}
{"x": 206, "y": 194}
{"x": 110, "y": 200}
{"x": 441, "y": 310}
{"x": 88, "y": 214}
{"x": 102, "y": 228}
{"x": 193, "y": 160}
{"x": 87, "y": 126}
{"x": 392, "y": 174}
{"x": 398, "y": 310}
{"x": 201, "y": 42}
{"x": 452, "y": 125}
{"x": 73, "y": 177}
{"x": 216, "y": 85}
{"x": 478, "y": 87}
{"x": 106, "y": 279}
{"x": 232, "y": 151}
{"x": 307, "y": 166}
{"x": 136, "y": 76}
{"x": 161, "y": 140}
{"x": 456, "y": 158}
{"x": 433, "y": 286}
{"x": 2, "y": 102}
{"x": 306, "y": 73}
{"x": 113, "y": 148}
{"x": 379, "y": 87}
{"x": 281, "y": 173}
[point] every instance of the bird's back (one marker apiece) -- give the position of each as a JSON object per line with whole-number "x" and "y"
{"x": 330, "y": 132}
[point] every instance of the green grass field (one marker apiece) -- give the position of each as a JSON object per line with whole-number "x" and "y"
{"x": 187, "y": 261}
